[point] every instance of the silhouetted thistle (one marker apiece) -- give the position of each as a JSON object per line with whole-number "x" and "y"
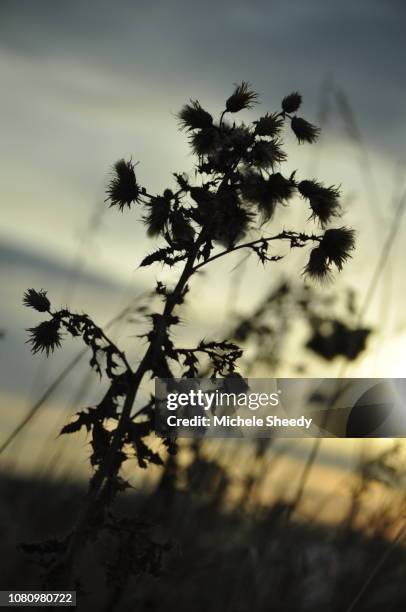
{"x": 158, "y": 210}
{"x": 318, "y": 266}
{"x": 225, "y": 207}
{"x": 254, "y": 188}
{"x": 267, "y": 193}
{"x": 324, "y": 201}
{"x": 303, "y": 130}
{"x": 242, "y": 97}
{"x": 123, "y": 189}
{"x": 238, "y": 139}
{"x": 193, "y": 117}
{"x": 337, "y": 244}
{"x": 281, "y": 188}
{"x": 292, "y": 102}
{"x": 182, "y": 231}
{"x": 236, "y": 228}
{"x": 335, "y": 248}
{"x": 269, "y": 125}
{"x": 205, "y": 141}
{"x": 45, "y": 337}
{"x": 267, "y": 153}
{"x": 231, "y": 220}
{"x": 37, "y": 300}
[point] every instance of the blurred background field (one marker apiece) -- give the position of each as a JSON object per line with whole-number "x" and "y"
{"x": 86, "y": 84}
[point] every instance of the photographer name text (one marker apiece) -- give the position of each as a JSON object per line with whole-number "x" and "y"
{"x": 237, "y": 421}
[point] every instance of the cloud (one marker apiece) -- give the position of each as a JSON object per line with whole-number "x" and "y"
{"x": 152, "y": 55}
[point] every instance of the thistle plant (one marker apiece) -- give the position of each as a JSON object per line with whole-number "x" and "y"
{"x": 238, "y": 186}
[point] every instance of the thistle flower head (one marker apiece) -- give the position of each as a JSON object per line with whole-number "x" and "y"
{"x": 123, "y": 188}
{"x": 281, "y": 188}
{"x": 239, "y": 138}
{"x": 292, "y": 102}
{"x": 337, "y": 244}
{"x": 253, "y": 188}
{"x": 324, "y": 201}
{"x": 266, "y": 153}
{"x": 45, "y": 337}
{"x": 269, "y": 125}
{"x": 231, "y": 220}
{"x": 158, "y": 210}
{"x": 205, "y": 141}
{"x": 267, "y": 193}
{"x": 303, "y": 130}
{"x": 242, "y": 97}
{"x": 193, "y": 117}
{"x": 37, "y": 300}
{"x": 318, "y": 265}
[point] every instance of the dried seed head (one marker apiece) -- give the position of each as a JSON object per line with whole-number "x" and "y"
{"x": 242, "y": 97}
{"x": 304, "y": 131}
{"x": 337, "y": 244}
{"x": 292, "y": 102}
{"x": 37, "y": 300}
{"x": 230, "y": 220}
{"x": 267, "y": 193}
{"x": 193, "y": 117}
{"x": 281, "y": 188}
{"x": 318, "y": 266}
{"x": 324, "y": 201}
{"x": 239, "y": 138}
{"x": 266, "y": 153}
{"x": 158, "y": 210}
{"x": 269, "y": 125}
{"x": 205, "y": 141}
{"x": 123, "y": 189}
{"x": 45, "y": 337}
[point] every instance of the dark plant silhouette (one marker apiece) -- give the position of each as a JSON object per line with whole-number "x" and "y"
{"x": 237, "y": 188}
{"x": 329, "y": 319}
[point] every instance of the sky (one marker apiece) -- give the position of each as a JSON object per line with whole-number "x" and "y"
{"x": 86, "y": 83}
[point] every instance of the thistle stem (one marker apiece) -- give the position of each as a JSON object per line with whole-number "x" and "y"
{"x": 253, "y": 243}
{"x": 106, "y": 468}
